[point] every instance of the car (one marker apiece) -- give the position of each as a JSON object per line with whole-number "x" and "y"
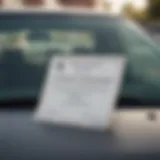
{"x": 28, "y": 40}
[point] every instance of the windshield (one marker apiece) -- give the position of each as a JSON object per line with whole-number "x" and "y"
{"x": 137, "y": 38}
{"x": 27, "y": 44}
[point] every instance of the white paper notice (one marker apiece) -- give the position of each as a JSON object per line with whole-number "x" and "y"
{"x": 81, "y": 91}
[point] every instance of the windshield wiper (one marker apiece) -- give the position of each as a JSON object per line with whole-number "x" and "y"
{"x": 122, "y": 103}
{"x": 131, "y": 103}
{"x": 21, "y": 103}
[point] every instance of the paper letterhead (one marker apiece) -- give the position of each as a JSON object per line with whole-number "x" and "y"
{"x": 81, "y": 91}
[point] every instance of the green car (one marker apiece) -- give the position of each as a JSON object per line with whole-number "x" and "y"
{"x": 28, "y": 41}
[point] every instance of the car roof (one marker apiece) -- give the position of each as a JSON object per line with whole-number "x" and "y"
{"x": 72, "y": 12}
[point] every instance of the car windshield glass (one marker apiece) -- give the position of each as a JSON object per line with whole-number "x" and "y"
{"x": 26, "y": 45}
{"x": 28, "y": 41}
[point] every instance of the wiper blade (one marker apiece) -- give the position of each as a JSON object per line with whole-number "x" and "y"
{"x": 131, "y": 103}
{"x": 126, "y": 103}
{"x": 18, "y": 103}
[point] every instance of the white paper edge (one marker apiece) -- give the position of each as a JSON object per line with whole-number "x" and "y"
{"x": 62, "y": 124}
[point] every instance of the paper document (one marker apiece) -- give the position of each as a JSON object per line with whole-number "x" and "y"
{"x": 81, "y": 91}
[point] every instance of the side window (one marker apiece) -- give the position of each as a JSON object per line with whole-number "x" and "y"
{"x": 142, "y": 53}
{"x": 136, "y": 39}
